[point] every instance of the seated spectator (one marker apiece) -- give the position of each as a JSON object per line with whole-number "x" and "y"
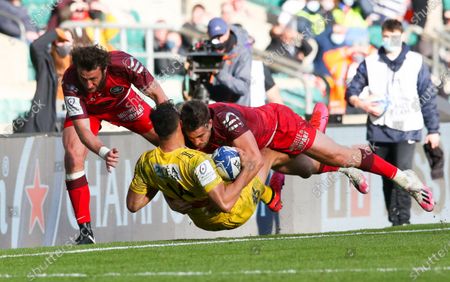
{"x": 197, "y": 24}
{"x": 10, "y": 27}
{"x": 290, "y": 44}
{"x": 387, "y": 9}
{"x": 333, "y": 37}
{"x": 349, "y": 15}
{"x": 310, "y": 21}
{"x": 289, "y": 10}
{"x": 227, "y": 12}
{"x": 174, "y": 45}
{"x": 94, "y": 11}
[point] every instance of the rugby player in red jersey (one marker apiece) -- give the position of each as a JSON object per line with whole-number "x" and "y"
{"x": 304, "y": 150}
{"x": 97, "y": 86}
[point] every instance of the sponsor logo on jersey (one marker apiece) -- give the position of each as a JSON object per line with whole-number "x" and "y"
{"x": 300, "y": 141}
{"x": 132, "y": 113}
{"x": 133, "y": 64}
{"x": 116, "y": 90}
{"x": 168, "y": 171}
{"x": 70, "y": 88}
{"x": 73, "y": 106}
{"x": 232, "y": 121}
{"x": 205, "y": 173}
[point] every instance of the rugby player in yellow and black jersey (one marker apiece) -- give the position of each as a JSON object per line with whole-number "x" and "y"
{"x": 190, "y": 176}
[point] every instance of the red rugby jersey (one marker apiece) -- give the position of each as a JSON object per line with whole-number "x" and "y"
{"x": 122, "y": 71}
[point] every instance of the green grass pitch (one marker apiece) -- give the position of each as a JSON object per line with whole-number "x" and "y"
{"x": 408, "y": 253}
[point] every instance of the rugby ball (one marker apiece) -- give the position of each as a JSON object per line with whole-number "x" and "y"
{"x": 381, "y": 101}
{"x": 228, "y": 162}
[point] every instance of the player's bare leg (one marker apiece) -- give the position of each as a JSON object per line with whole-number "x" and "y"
{"x": 76, "y": 182}
{"x": 305, "y": 166}
{"x": 272, "y": 196}
{"x": 326, "y": 151}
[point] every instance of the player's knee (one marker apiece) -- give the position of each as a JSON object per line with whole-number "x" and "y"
{"x": 305, "y": 173}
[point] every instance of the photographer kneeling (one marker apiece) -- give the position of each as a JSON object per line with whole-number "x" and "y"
{"x": 232, "y": 82}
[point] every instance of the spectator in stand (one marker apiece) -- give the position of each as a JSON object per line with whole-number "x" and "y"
{"x": 173, "y": 44}
{"x": 227, "y": 12}
{"x": 333, "y": 37}
{"x": 387, "y": 9}
{"x": 10, "y": 27}
{"x": 160, "y": 45}
{"x": 197, "y": 24}
{"x": 50, "y": 54}
{"x": 349, "y": 15}
{"x": 290, "y": 44}
{"x": 289, "y": 10}
{"x": 310, "y": 21}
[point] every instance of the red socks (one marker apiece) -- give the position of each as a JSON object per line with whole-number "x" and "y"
{"x": 80, "y": 197}
{"x": 373, "y": 163}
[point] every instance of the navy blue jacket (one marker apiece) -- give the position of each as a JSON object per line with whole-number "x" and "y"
{"x": 427, "y": 97}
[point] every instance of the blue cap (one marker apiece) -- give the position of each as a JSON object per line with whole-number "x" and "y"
{"x": 217, "y": 27}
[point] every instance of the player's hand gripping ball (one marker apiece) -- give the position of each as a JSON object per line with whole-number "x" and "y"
{"x": 228, "y": 162}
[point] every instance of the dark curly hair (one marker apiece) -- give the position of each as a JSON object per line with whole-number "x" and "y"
{"x": 165, "y": 119}
{"x": 392, "y": 25}
{"x": 90, "y": 57}
{"x": 194, "y": 114}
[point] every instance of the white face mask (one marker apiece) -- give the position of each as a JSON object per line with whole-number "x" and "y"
{"x": 64, "y": 49}
{"x": 313, "y": 6}
{"x": 328, "y": 5}
{"x": 337, "y": 38}
{"x": 349, "y": 2}
{"x": 392, "y": 44}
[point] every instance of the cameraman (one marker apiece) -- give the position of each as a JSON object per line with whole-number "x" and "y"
{"x": 232, "y": 82}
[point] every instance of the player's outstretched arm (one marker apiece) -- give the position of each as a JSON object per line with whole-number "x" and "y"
{"x": 93, "y": 143}
{"x": 156, "y": 93}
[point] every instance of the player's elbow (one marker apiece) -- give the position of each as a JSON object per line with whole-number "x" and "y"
{"x": 225, "y": 206}
{"x": 133, "y": 208}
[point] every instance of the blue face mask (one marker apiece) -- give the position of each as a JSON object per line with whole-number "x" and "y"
{"x": 170, "y": 44}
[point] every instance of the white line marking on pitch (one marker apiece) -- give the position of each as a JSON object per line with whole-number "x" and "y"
{"x": 212, "y": 241}
{"x": 223, "y": 273}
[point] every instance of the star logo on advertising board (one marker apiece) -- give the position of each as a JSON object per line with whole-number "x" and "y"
{"x": 36, "y": 194}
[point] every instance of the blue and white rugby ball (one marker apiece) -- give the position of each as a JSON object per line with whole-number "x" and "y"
{"x": 228, "y": 162}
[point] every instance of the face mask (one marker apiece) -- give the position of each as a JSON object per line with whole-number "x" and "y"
{"x": 217, "y": 45}
{"x": 349, "y": 2}
{"x": 170, "y": 44}
{"x": 64, "y": 49}
{"x": 328, "y": 5}
{"x": 96, "y": 15}
{"x": 337, "y": 38}
{"x": 392, "y": 44}
{"x": 313, "y": 6}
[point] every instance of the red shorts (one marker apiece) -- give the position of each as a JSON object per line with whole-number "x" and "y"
{"x": 294, "y": 135}
{"x": 122, "y": 116}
